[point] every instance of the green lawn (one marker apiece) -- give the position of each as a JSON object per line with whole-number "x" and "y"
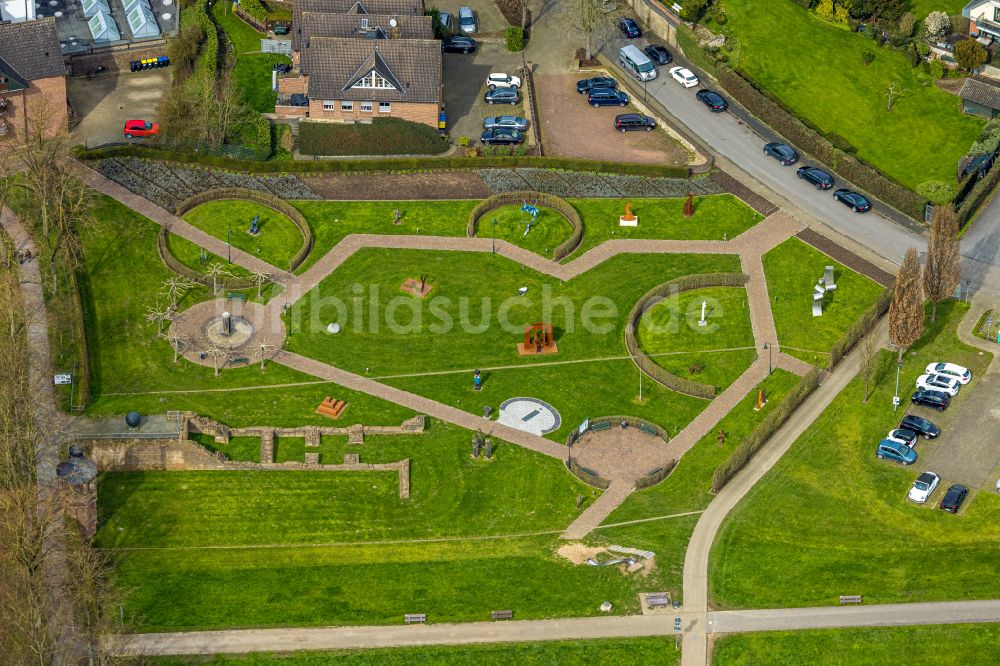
{"x": 277, "y": 242}
{"x": 837, "y": 93}
{"x": 792, "y": 269}
{"x": 671, "y": 327}
{"x": 921, "y": 8}
{"x": 861, "y": 536}
{"x": 715, "y": 217}
{"x": 624, "y": 651}
{"x": 245, "y": 39}
{"x": 549, "y": 230}
{"x": 862, "y": 646}
{"x": 198, "y": 259}
{"x": 252, "y": 69}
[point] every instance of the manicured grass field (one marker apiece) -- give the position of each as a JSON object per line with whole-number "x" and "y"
{"x": 861, "y": 536}
{"x": 191, "y": 255}
{"x": 864, "y": 646}
{"x": 792, "y": 270}
{"x": 715, "y": 217}
{"x": 548, "y": 231}
{"x": 277, "y": 242}
{"x": 671, "y": 326}
{"x": 624, "y": 651}
{"x": 837, "y": 93}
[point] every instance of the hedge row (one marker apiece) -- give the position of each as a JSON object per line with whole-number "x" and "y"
{"x": 557, "y": 204}
{"x": 688, "y": 41}
{"x": 794, "y": 130}
{"x": 860, "y": 328}
{"x": 255, "y": 136}
{"x": 82, "y": 379}
{"x": 979, "y": 193}
{"x": 254, "y": 10}
{"x": 588, "y": 476}
{"x": 685, "y": 283}
{"x": 174, "y": 264}
{"x": 752, "y": 443}
{"x": 256, "y": 196}
{"x": 208, "y": 55}
{"x": 404, "y": 164}
{"x": 657, "y": 475}
{"x": 382, "y": 136}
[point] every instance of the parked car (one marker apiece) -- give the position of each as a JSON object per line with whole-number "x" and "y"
{"x": 952, "y": 500}
{"x": 950, "y": 369}
{"x": 684, "y": 76}
{"x": 502, "y": 96}
{"x": 903, "y": 436}
{"x": 446, "y": 21}
{"x": 897, "y": 451}
{"x": 607, "y": 97}
{"x": 458, "y": 44}
{"x": 942, "y": 383}
{"x": 933, "y": 399}
{"x": 821, "y": 179}
{"x": 510, "y": 122}
{"x": 920, "y": 425}
{"x": 502, "y": 136}
{"x": 923, "y": 487}
{"x": 586, "y": 85}
{"x": 139, "y": 128}
{"x": 658, "y": 54}
{"x": 857, "y": 202}
{"x": 467, "y": 20}
{"x": 627, "y": 122}
{"x": 629, "y": 27}
{"x": 501, "y": 80}
{"x": 713, "y": 100}
{"x": 280, "y": 29}
{"x": 781, "y": 152}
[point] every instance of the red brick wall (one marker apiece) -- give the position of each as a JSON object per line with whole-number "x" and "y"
{"x": 293, "y": 84}
{"x": 426, "y": 113}
{"x": 46, "y": 103}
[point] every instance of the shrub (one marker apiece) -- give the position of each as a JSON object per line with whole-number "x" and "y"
{"x": 923, "y": 48}
{"x": 936, "y": 69}
{"x": 688, "y": 43}
{"x": 255, "y": 136}
{"x": 989, "y": 139}
{"x": 970, "y": 54}
{"x": 720, "y": 18}
{"x": 937, "y": 23}
{"x": 936, "y": 191}
{"x": 464, "y": 141}
{"x": 977, "y": 195}
{"x": 254, "y": 10}
{"x": 825, "y": 9}
{"x": 693, "y": 10}
{"x": 907, "y": 23}
{"x": 867, "y": 57}
{"x": 514, "y": 38}
{"x": 383, "y": 136}
{"x": 911, "y": 51}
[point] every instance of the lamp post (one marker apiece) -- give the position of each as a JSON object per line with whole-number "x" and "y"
{"x": 895, "y": 398}
{"x": 968, "y": 285}
{"x": 229, "y": 244}
{"x": 494, "y": 235}
{"x": 770, "y": 369}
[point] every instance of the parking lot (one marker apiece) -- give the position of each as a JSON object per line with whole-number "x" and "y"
{"x": 103, "y": 104}
{"x": 465, "y": 83}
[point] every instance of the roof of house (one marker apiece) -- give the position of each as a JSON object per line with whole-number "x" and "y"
{"x": 31, "y": 48}
{"x": 411, "y": 66}
{"x": 378, "y": 7}
{"x": 981, "y": 91}
{"x": 321, "y": 24}
{"x": 974, "y": 4}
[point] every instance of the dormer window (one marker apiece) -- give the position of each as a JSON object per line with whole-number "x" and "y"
{"x": 373, "y": 80}
{"x": 364, "y": 24}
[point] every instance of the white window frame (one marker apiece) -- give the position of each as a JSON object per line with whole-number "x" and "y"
{"x": 373, "y": 81}
{"x": 347, "y": 107}
{"x": 385, "y": 107}
{"x": 366, "y": 107}
{"x": 329, "y": 105}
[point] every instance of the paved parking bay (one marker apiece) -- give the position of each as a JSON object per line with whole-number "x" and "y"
{"x": 465, "y": 83}
{"x": 103, "y": 104}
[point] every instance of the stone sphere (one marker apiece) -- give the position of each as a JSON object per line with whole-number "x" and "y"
{"x": 333, "y": 328}
{"x": 133, "y": 419}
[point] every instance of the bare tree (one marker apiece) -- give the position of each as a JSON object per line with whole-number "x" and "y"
{"x": 593, "y": 20}
{"x": 868, "y": 362}
{"x": 158, "y": 314}
{"x": 216, "y": 271}
{"x": 943, "y": 269}
{"x": 892, "y": 95}
{"x": 173, "y": 287}
{"x": 263, "y": 347}
{"x": 906, "y": 312}
{"x": 260, "y": 277}
{"x": 178, "y": 341}
{"x": 220, "y": 356}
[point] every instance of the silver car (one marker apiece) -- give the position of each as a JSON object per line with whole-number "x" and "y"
{"x": 511, "y": 122}
{"x": 467, "y": 20}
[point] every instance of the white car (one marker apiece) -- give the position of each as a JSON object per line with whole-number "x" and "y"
{"x": 684, "y": 76}
{"x": 500, "y": 80}
{"x": 923, "y": 487}
{"x": 950, "y": 369}
{"x": 942, "y": 383}
{"x": 903, "y": 436}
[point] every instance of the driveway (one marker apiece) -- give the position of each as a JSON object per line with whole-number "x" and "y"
{"x": 572, "y": 128}
{"x": 465, "y": 84}
{"x": 488, "y": 17}
{"x": 104, "y": 103}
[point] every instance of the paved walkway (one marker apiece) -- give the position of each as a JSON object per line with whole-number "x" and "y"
{"x": 595, "y": 514}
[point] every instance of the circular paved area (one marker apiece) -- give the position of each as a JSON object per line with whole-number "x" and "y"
{"x": 621, "y": 454}
{"x": 530, "y": 415}
{"x": 200, "y": 329}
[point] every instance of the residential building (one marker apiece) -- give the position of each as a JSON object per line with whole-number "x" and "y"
{"x": 32, "y": 77}
{"x": 984, "y": 18}
{"x": 367, "y": 26}
{"x": 359, "y": 7}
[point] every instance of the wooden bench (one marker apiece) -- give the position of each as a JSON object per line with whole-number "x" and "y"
{"x": 502, "y": 615}
{"x": 411, "y": 618}
{"x": 648, "y": 429}
{"x": 600, "y": 426}
{"x": 850, "y": 599}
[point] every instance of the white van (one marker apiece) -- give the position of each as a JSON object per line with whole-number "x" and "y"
{"x": 636, "y": 62}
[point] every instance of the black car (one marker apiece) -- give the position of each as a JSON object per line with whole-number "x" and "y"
{"x": 627, "y": 122}
{"x": 629, "y": 28}
{"x": 933, "y": 399}
{"x": 458, "y": 44}
{"x": 782, "y": 152}
{"x": 953, "y": 499}
{"x": 856, "y": 202}
{"x": 502, "y": 136}
{"x": 712, "y": 100}
{"x": 607, "y": 97}
{"x": 920, "y": 425}
{"x": 587, "y": 85}
{"x": 658, "y": 54}
{"x": 502, "y": 96}
{"x": 821, "y": 179}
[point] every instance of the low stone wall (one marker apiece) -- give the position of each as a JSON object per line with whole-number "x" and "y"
{"x": 191, "y": 422}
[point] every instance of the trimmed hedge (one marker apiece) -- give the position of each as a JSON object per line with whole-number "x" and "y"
{"x": 514, "y": 37}
{"x": 82, "y": 377}
{"x": 255, "y": 136}
{"x": 269, "y": 200}
{"x": 762, "y": 105}
{"x": 175, "y": 264}
{"x": 254, "y": 10}
{"x": 587, "y": 475}
{"x": 656, "y": 476}
{"x": 757, "y": 437}
{"x": 654, "y": 371}
{"x": 979, "y": 193}
{"x": 208, "y": 56}
{"x": 557, "y": 204}
{"x": 688, "y": 41}
{"x": 860, "y": 328}
{"x": 383, "y": 136}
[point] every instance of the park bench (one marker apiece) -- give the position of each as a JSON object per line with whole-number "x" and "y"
{"x": 648, "y": 429}
{"x": 656, "y": 599}
{"x": 240, "y": 360}
{"x": 502, "y": 615}
{"x": 236, "y": 296}
{"x": 410, "y": 618}
{"x": 850, "y": 599}
{"x": 600, "y": 426}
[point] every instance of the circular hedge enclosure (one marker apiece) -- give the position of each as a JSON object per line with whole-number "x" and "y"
{"x": 559, "y": 205}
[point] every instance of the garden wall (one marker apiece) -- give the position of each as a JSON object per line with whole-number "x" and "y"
{"x": 587, "y": 475}
{"x": 561, "y": 206}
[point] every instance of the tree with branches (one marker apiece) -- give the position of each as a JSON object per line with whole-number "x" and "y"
{"x": 970, "y": 54}
{"x": 906, "y": 312}
{"x": 593, "y": 20}
{"x": 220, "y": 357}
{"x": 178, "y": 341}
{"x": 943, "y": 268}
{"x": 263, "y": 347}
{"x": 217, "y": 272}
{"x": 260, "y": 277}
{"x": 174, "y": 287}
{"x": 868, "y": 362}
{"x": 157, "y": 314}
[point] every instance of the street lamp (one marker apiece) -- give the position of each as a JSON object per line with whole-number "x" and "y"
{"x": 895, "y": 398}
{"x": 494, "y": 235}
{"x": 229, "y": 244}
{"x": 770, "y": 369}
{"x": 968, "y": 285}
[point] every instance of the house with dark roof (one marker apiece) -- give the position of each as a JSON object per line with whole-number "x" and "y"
{"x": 367, "y": 26}
{"x": 980, "y": 97}
{"x": 397, "y": 8}
{"x": 32, "y": 78}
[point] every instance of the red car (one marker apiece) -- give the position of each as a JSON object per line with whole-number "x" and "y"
{"x": 135, "y": 128}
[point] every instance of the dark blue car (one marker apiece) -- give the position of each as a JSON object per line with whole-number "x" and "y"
{"x": 821, "y": 179}
{"x": 782, "y": 152}
{"x": 629, "y": 28}
{"x": 607, "y": 97}
{"x": 856, "y": 202}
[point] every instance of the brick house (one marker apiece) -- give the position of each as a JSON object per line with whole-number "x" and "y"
{"x": 397, "y": 8}
{"x": 32, "y": 77}
{"x": 367, "y": 26}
